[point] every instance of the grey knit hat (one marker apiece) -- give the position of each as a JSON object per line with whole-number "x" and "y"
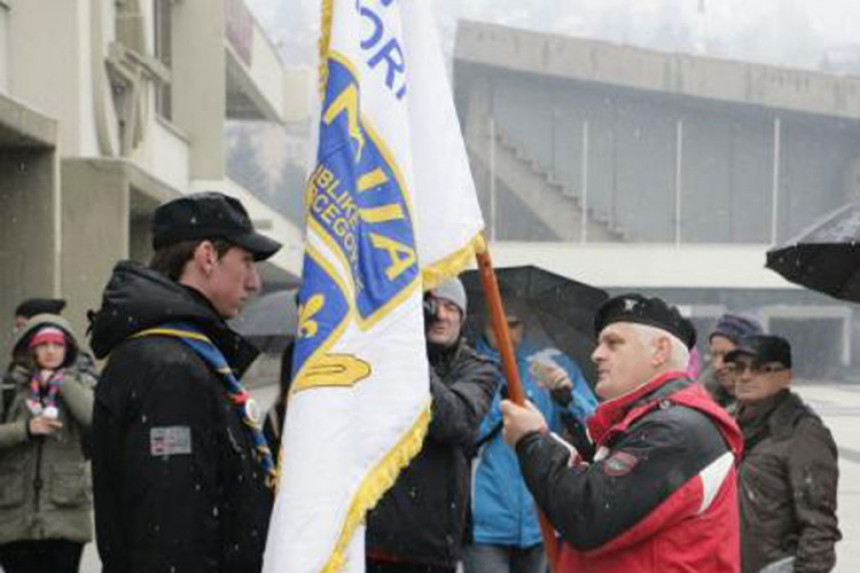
{"x": 452, "y": 290}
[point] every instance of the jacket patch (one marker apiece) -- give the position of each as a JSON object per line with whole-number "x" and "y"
{"x": 170, "y": 441}
{"x": 619, "y": 464}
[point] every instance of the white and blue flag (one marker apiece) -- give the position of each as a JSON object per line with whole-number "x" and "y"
{"x": 391, "y": 210}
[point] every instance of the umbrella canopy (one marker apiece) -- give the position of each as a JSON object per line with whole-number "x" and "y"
{"x": 269, "y": 321}
{"x": 825, "y": 257}
{"x": 555, "y": 310}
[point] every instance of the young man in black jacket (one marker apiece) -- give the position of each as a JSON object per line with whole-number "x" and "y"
{"x": 419, "y": 524}
{"x": 180, "y": 470}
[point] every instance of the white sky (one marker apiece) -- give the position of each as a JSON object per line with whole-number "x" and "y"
{"x": 794, "y": 33}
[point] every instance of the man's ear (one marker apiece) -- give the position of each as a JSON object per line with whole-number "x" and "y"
{"x": 205, "y": 257}
{"x": 662, "y": 350}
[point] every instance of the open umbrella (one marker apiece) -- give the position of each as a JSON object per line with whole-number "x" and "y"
{"x": 825, "y": 257}
{"x": 269, "y": 321}
{"x": 555, "y": 310}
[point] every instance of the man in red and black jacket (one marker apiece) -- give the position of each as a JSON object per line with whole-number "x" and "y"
{"x": 660, "y": 494}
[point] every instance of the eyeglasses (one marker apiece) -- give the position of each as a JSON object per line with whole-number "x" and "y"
{"x": 755, "y": 368}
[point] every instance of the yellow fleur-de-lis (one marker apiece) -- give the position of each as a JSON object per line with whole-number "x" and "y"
{"x": 331, "y": 370}
{"x": 307, "y": 327}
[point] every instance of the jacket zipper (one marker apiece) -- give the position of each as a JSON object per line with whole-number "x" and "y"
{"x": 37, "y": 483}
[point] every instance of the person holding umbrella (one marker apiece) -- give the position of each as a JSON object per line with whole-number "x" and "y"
{"x": 506, "y": 534}
{"x": 661, "y": 492}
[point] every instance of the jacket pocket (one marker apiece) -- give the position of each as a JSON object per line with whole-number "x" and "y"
{"x": 12, "y": 486}
{"x": 69, "y": 484}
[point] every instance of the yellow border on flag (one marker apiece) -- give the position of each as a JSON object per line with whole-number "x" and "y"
{"x": 376, "y": 483}
{"x": 452, "y": 265}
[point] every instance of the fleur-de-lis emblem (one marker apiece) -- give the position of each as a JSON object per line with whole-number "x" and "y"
{"x": 308, "y": 327}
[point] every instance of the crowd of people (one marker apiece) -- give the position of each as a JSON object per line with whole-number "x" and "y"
{"x": 652, "y": 470}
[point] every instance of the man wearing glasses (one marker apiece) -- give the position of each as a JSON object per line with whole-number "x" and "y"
{"x": 788, "y": 473}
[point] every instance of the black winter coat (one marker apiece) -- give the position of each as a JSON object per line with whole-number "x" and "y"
{"x": 422, "y": 518}
{"x": 788, "y": 482}
{"x": 176, "y": 482}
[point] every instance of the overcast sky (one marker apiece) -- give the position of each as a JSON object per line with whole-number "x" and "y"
{"x": 796, "y": 33}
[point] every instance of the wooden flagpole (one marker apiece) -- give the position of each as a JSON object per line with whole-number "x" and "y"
{"x": 499, "y": 323}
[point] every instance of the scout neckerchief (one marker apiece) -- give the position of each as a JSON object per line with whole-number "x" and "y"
{"x": 243, "y": 404}
{"x": 45, "y": 404}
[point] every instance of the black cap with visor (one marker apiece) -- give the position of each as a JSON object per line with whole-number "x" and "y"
{"x": 209, "y": 215}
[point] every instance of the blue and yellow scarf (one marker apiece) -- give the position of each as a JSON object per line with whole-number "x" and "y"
{"x": 243, "y": 405}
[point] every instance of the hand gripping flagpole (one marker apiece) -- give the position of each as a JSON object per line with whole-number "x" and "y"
{"x": 499, "y": 324}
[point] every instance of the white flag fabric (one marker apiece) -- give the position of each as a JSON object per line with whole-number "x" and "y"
{"x": 391, "y": 210}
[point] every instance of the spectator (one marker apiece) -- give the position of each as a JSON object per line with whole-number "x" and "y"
{"x": 718, "y": 378}
{"x": 419, "y": 524}
{"x": 661, "y": 494}
{"x": 182, "y": 474}
{"x": 789, "y": 473}
{"x": 506, "y": 534}
{"x": 32, "y": 306}
{"x": 45, "y": 503}
{"x": 23, "y": 312}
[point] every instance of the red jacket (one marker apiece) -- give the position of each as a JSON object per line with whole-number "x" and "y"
{"x": 661, "y": 494}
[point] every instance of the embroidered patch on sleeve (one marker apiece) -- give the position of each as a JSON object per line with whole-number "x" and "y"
{"x": 170, "y": 441}
{"x": 619, "y": 464}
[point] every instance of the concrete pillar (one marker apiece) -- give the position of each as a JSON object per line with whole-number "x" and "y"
{"x": 50, "y": 66}
{"x": 199, "y": 82}
{"x": 95, "y": 232}
{"x": 29, "y": 232}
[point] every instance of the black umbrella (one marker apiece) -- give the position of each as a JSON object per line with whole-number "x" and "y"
{"x": 269, "y": 321}
{"x": 825, "y": 257}
{"x": 555, "y": 310}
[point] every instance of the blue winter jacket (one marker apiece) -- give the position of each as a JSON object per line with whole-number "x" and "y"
{"x": 503, "y": 510}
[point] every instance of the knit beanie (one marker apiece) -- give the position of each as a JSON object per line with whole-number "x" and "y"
{"x": 735, "y": 327}
{"x": 47, "y": 335}
{"x": 452, "y": 290}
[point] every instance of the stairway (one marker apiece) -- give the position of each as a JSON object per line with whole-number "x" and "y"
{"x": 556, "y": 205}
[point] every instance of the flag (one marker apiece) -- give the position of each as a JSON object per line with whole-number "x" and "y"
{"x": 391, "y": 210}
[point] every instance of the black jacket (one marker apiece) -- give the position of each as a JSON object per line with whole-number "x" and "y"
{"x": 422, "y": 518}
{"x": 788, "y": 483}
{"x": 203, "y": 505}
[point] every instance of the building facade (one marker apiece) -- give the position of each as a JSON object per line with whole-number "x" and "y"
{"x": 108, "y": 108}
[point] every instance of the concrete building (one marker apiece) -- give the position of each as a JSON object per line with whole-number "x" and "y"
{"x": 107, "y": 108}
{"x": 670, "y": 173}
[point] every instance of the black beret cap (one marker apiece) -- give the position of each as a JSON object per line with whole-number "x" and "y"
{"x": 34, "y": 306}
{"x": 649, "y": 311}
{"x": 209, "y": 215}
{"x": 764, "y": 348}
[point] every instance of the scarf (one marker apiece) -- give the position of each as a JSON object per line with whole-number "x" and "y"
{"x": 243, "y": 404}
{"x": 45, "y": 404}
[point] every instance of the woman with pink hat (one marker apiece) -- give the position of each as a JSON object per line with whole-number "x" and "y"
{"x": 45, "y": 489}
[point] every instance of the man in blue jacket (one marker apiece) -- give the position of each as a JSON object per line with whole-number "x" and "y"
{"x": 507, "y": 537}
